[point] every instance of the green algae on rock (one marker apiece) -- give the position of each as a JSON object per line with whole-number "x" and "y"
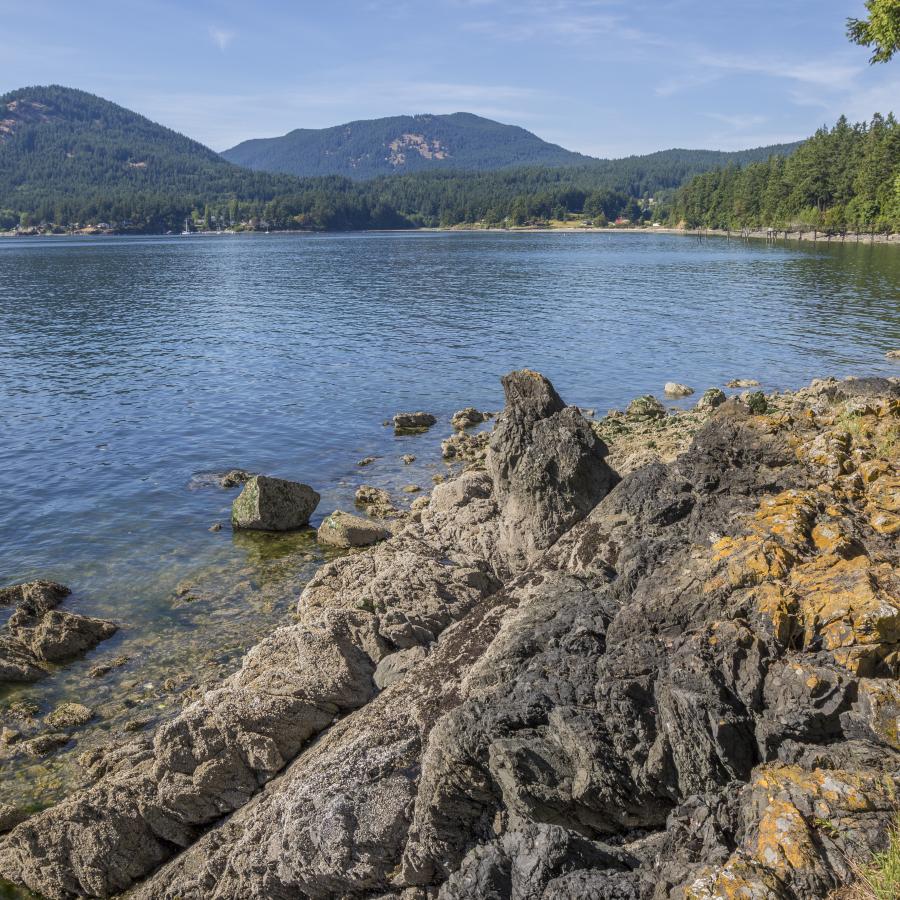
{"x": 273, "y": 504}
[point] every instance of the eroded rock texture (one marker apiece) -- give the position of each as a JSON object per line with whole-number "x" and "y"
{"x": 683, "y": 684}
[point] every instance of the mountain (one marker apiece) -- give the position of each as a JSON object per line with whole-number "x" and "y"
{"x": 60, "y": 146}
{"x": 399, "y": 144}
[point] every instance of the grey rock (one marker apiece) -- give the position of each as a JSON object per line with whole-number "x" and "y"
{"x": 547, "y": 467}
{"x": 273, "y": 504}
{"x": 742, "y": 383}
{"x": 343, "y": 530}
{"x": 396, "y": 665}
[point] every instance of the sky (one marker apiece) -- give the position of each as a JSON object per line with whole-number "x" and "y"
{"x": 608, "y": 78}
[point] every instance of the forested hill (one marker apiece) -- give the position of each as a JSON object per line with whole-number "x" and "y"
{"x": 460, "y": 141}
{"x": 66, "y": 155}
{"x": 68, "y": 158}
{"x": 846, "y": 177}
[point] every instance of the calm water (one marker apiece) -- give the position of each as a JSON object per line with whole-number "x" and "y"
{"x": 127, "y": 366}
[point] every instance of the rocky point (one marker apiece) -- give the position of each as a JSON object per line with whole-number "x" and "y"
{"x": 587, "y": 667}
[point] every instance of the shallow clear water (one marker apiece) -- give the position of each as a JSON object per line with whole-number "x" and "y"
{"x": 129, "y": 365}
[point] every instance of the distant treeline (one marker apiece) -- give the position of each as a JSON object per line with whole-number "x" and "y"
{"x": 845, "y": 178}
{"x": 68, "y": 158}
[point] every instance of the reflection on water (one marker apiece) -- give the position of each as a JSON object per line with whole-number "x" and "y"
{"x": 127, "y": 366}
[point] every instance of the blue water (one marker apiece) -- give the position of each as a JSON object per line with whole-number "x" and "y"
{"x": 129, "y": 365}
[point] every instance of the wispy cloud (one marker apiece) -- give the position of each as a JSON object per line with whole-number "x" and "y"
{"x": 221, "y": 37}
{"x": 738, "y": 121}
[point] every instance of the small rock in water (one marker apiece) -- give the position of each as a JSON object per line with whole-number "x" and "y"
{"x": 216, "y": 526}
{"x": 366, "y": 461}
{"x": 411, "y": 489}
{"x": 104, "y": 668}
{"x": 344, "y": 530}
{"x": 742, "y": 383}
{"x": 646, "y": 408}
{"x": 234, "y": 477}
{"x": 273, "y": 504}
{"x": 674, "y": 389}
{"x": 893, "y": 354}
{"x": 375, "y": 501}
{"x": 413, "y": 421}
{"x": 711, "y": 399}
{"x": 408, "y": 459}
{"x": 46, "y": 743}
{"x": 70, "y": 715}
{"x": 466, "y": 418}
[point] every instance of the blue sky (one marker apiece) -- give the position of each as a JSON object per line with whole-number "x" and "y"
{"x": 606, "y": 77}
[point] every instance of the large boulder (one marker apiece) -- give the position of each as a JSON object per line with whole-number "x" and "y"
{"x": 273, "y": 504}
{"x": 343, "y": 530}
{"x": 547, "y": 467}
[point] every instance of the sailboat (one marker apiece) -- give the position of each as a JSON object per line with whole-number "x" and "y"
{"x": 187, "y": 229}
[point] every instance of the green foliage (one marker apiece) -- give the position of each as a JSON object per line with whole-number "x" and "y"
{"x": 847, "y": 177}
{"x": 67, "y": 158}
{"x": 880, "y": 30}
{"x": 880, "y": 879}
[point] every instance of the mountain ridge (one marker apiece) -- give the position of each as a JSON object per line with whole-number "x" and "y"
{"x": 365, "y": 148}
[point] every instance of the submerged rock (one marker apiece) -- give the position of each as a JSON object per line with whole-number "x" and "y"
{"x": 892, "y": 354}
{"x": 674, "y": 389}
{"x": 343, "y": 530}
{"x": 742, "y": 383}
{"x": 273, "y": 504}
{"x": 413, "y": 421}
{"x": 38, "y": 633}
{"x": 70, "y": 715}
{"x": 234, "y": 477}
{"x": 408, "y": 459}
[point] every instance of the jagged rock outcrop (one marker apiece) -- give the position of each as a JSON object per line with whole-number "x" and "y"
{"x": 37, "y": 633}
{"x": 550, "y": 685}
{"x": 546, "y": 464}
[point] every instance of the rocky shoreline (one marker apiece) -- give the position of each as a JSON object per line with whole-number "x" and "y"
{"x": 647, "y": 656}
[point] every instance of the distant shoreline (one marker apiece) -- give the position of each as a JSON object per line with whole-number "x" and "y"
{"x": 773, "y": 235}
